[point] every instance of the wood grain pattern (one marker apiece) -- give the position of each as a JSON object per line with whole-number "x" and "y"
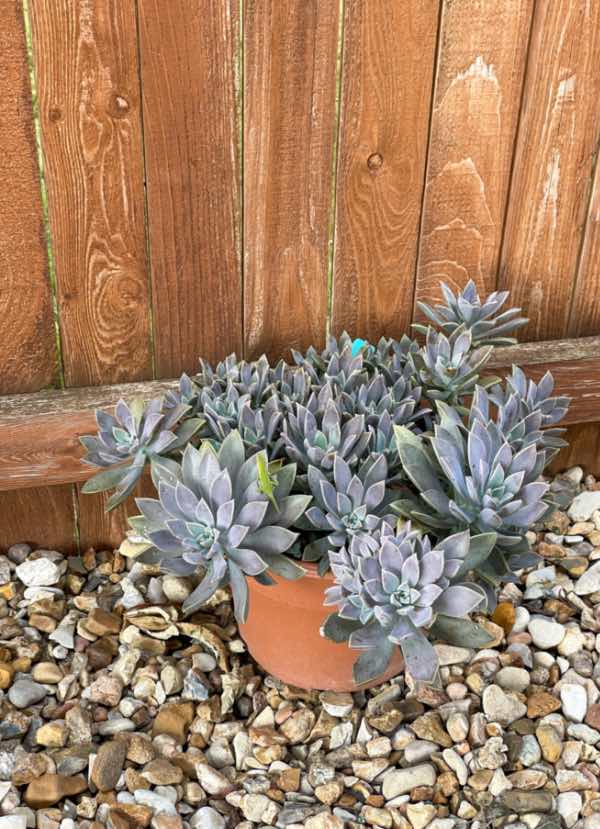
{"x": 28, "y": 358}
{"x": 27, "y": 346}
{"x": 482, "y": 55}
{"x": 557, "y": 140}
{"x": 87, "y": 71}
{"x": 382, "y": 153}
{"x": 289, "y": 124}
{"x": 42, "y": 517}
{"x": 90, "y": 113}
{"x": 39, "y": 432}
{"x": 188, "y": 65}
{"x": 584, "y": 317}
{"x": 103, "y": 530}
{"x": 583, "y": 449}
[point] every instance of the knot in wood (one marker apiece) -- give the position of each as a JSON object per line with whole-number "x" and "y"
{"x": 120, "y": 106}
{"x": 375, "y": 162}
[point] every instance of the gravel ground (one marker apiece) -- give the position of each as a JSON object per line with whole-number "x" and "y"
{"x": 116, "y": 711}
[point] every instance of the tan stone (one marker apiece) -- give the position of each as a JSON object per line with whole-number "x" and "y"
{"x": 52, "y": 734}
{"x": 6, "y": 675}
{"x": 161, "y": 772}
{"x": 130, "y": 816}
{"x": 174, "y": 719}
{"x": 299, "y": 725}
{"x": 52, "y": 788}
{"x": 541, "y": 703}
{"x": 108, "y": 765}
{"x": 100, "y": 622}
{"x": 28, "y": 767}
{"x": 289, "y": 780}
{"x": 48, "y": 673}
{"x": 429, "y": 727}
{"x": 329, "y": 793}
{"x": 550, "y": 742}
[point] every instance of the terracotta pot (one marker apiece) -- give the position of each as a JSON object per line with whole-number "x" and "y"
{"x": 282, "y": 634}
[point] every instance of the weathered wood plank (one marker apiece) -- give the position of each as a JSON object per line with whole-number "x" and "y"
{"x": 28, "y": 354}
{"x": 481, "y": 64}
{"x": 42, "y": 517}
{"x": 86, "y": 69}
{"x": 552, "y": 351}
{"x": 584, "y": 317}
{"x": 289, "y": 123}
{"x": 27, "y": 346}
{"x": 556, "y": 147}
{"x": 90, "y": 108}
{"x": 188, "y": 69}
{"x": 583, "y": 449}
{"x": 101, "y": 529}
{"x": 39, "y": 432}
{"x": 386, "y": 95}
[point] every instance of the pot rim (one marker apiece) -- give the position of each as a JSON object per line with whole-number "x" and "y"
{"x": 312, "y": 571}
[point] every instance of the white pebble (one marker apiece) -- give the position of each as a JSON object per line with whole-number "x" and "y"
{"x": 546, "y": 633}
{"x": 574, "y": 702}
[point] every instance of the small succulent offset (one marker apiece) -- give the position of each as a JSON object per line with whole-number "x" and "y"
{"x": 403, "y": 466}
{"x": 390, "y": 587}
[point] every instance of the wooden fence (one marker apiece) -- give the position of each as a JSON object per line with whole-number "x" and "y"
{"x": 192, "y": 177}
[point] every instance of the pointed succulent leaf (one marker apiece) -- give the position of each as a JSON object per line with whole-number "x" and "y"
{"x": 461, "y": 632}
{"x": 373, "y": 663}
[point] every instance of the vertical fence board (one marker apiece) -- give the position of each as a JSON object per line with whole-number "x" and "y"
{"x": 27, "y": 346}
{"x": 583, "y": 449}
{"x": 86, "y": 71}
{"x": 557, "y": 139}
{"x": 87, "y": 76}
{"x": 289, "y": 126}
{"x": 584, "y": 319}
{"x": 482, "y": 55}
{"x": 188, "y": 63}
{"x": 28, "y": 356}
{"x": 42, "y": 517}
{"x": 382, "y": 154}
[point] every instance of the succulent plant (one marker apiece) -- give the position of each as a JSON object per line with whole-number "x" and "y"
{"x": 317, "y": 437}
{"x": 392, "y": 358}
{"x": 307, "y": 461}
{"x": 384, "y": 407}
{"x": 448, "y": 368}
{"x": 353, "y": 503}
{"x": 390, "y": 585}
{"x": 474, "y": 479}
{"x": 186, "y": 394}
{"x": 466, "y": 311}
{"x": 135, "y": 433}
{"x": 525, "y": 411}
{"x": 212, "y": 516}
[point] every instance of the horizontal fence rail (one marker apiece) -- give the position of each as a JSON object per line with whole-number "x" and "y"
{"x": 39, "y": 433}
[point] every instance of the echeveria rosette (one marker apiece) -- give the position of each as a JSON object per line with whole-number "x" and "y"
{"x": 353, "y": 503}
{"x": 526, "y": 411}
{"x": 317, "y": 438}
{"x": 466, "y": 310}
{"x": 135, "y": 433}
{"x": 384, "y": 407}
{"x": 390, "y": 586}
{"x": 213, "y": 517}
{"x": 448, "y": 368}
{"x": 474, "y": 479}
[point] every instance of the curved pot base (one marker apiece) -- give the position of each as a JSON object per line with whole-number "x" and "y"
{"x": 283, "y": 635}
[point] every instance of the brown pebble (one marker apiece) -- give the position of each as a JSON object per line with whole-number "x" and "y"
{"x": 52, "y": 788}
